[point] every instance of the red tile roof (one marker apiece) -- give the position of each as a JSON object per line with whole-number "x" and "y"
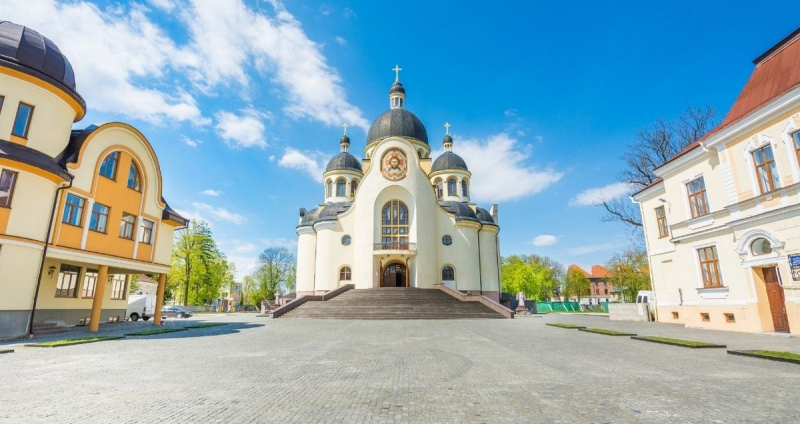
{"x": 599, "y": 271}
{"x": 573, "y": 266}
{"x": 777, "y": 72}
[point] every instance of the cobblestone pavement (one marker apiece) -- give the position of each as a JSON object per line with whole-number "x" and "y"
{"x": 317, "y": 371}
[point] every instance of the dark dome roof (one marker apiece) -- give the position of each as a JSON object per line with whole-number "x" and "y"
{"x": 484, "y": 216}
{"x": 25, "y": 50}
{"x": 397, "y": 87}
{"x": 461, "y": 210}
{"x": 397, "y": 122}
{"x": 343, "y": 161}
{"x": 448, "y": 160}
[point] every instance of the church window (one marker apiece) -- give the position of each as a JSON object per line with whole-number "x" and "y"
{"x": 108, "y": 168}
{"x": 23, "y": 120}
{"x": 345, "y": 274}
{"x": 447, "y": 240}
{"x": 464, "y": 191}
{"x": 340, "y": 187}
{"x": 134, "y": 180}
{"x": 438, "y": 188}
{"x": 394, "y": 225}
{"x": 451, "y": 187}
{"x": 346, "y": 239}
{"x": 353, "y": 188}
{"x": 329, "y": 192}
{"x": 448, "y": 273}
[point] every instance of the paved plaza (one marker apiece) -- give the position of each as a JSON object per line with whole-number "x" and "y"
{"x": 471, "y": 371}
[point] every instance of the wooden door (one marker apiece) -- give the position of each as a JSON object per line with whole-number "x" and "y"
{"x": 777, "y": 302}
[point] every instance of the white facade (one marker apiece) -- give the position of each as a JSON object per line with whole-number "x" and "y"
{"x": 392, "y": 230}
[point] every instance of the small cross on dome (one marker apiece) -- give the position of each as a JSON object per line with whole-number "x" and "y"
{"x": 447, "y": 128}
{"x": 345, "y": 127}
{"x": 397, "y": 70}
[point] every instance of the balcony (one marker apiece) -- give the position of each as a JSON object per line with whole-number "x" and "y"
{"x": 395, "y": 247}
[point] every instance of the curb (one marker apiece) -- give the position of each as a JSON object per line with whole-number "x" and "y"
{"x": 750, "y": 354}
{"x": 590, "y": 330}
{"x": 706, "y": 346}
{"x": 555, "y": 324}
{"x": 75, "y": 343}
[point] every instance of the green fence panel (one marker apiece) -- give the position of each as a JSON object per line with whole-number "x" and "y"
{"x": 557, "y": 307}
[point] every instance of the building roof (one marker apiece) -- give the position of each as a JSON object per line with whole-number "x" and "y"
{"x": 461, "y": 210}
{"x": 27, "y": 51}
{"x": 344, "y": 161}
{"x": 777, "y": 72}
{"x": 397, "y": 122}
{"x": 449, "y": 160}
{"x": 326, "y": 212}
{"x": 583, "y": 271}
{"x": 484, "y": 216}
{"x": 33, "y": 157}
{"x": 599, "y": 271}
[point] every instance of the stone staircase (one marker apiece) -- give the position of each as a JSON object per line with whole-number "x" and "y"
{"x": 392, "y": 303}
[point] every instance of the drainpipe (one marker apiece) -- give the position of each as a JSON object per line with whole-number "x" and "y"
{"x": 29, "y": 330}
{"x": 480, "y": 270}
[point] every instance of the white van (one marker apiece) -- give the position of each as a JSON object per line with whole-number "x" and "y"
{"x": 141, "y": 306}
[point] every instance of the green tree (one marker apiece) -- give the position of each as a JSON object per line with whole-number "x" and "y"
{"x": 197, "y": 269}
{"x": 630, "y": 272}
{"x": 290, "y": 284}
{"x": 537, "y": 277}
{"x": 274, "y": 269}
{"x": 577, "y": 284}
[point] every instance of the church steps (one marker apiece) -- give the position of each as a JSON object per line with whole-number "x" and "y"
{"x": 393, "y": 303}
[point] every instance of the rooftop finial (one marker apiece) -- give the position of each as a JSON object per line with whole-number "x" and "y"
{"x": 447, "y": 141}
{"x": 344, "y": 142}
{"x": 397, "y": 70}
{"x": 447, "y": 128}
{"x": 345, "y": 127}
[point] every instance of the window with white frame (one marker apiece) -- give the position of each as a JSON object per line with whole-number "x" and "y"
{"x": 146, "y": 232}
{"x": 67, "y": 283}
{"x": 766, "y": 169}
{"x": 126, "y": 226}
{"x": 89, "y": 283}
{"x": 118, "y": 284}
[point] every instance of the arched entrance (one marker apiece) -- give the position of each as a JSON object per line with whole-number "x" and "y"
{"x": 394, "y": 275}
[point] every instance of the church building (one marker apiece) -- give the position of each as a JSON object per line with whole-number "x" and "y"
{"x": 398, "y": 218}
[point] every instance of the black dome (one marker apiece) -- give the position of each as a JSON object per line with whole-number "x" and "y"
{"x": 397, "y": 87}
{"x": 27, "y": 51}
{"x": 344, "y": 161}
{"x": 397, "y": 122}
{"x": 448, "y": 160}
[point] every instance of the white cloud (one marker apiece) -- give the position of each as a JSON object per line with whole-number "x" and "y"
{"x": 242, "y": 130}
{"x": 592, "y": 248}
{"x": 243, "y": 247}
{"x": 127, "y": 62}
{"x": 595, "y": 196}
{"x": 340, "y": 40}
{"x": 211, "y": 192}
{"x": 499, "y": 169}
{"x": 190, "y": 142}
{"x": 220, "y": 213}
{"x": 545, "y": 240}
{"x": 245, "y": 264}
{"x": 308, "y": 162}
{"x": 349, "y": 13}
{"x": 325, "y": 10}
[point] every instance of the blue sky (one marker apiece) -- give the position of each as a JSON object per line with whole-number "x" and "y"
{"x": 243, "y": 100}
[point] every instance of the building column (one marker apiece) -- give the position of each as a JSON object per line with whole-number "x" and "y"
{"x": 162, "y": 282}
{"x": 99, "y": 295}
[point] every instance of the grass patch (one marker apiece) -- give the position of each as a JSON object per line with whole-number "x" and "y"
{"x": 206, "y": 325}
{"x": 154, "y": 331}
{"x": 769, "y": 354}
{"x": 561, "y": 325}
{"x": 606, "y": 332}
{"x": 2, "y": 351}
{"x": 69, "y": 342}
{"x": 679, "y": 342}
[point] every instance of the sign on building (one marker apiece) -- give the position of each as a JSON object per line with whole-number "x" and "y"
{"x": 794, "y": 264}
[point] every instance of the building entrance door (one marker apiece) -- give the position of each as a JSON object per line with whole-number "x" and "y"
{"x": 777, "y": 302}
{"x": 394, "y": 275}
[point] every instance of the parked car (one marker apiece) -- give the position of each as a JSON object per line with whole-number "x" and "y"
{"x": 174, "y": 311}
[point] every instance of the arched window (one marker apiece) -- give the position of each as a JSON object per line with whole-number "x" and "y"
{"x": 761, "y": 246}
{"x": 134, "y": 180}
{"x": 329, "y": 191}
{"x": 394, "y": 225}
{"x": 353, "y": 188}
{"x": 464, "y": 191}
{"x": 448, "y": 273}
{"x": 340, "y": 187}
{"x": 345, "y": 274}
{"x": 438, "y": 188}
{"x": 108, "y": 168}
{"x": 451, "y": 187}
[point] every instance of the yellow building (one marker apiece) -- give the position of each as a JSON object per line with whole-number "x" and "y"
{"x": 80, "y": 210}
{"x": 722, "y": 224}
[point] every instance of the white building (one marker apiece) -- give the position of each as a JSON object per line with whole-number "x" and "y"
{"x": 722, "y": 223}
{"x": 397, "y": 218}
